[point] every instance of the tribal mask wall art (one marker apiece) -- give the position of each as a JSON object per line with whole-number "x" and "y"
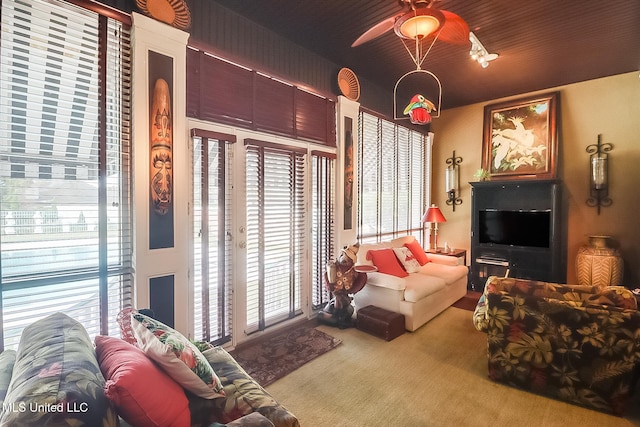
{"x": 161, "y": 149}
{"x": 162, "y": 189}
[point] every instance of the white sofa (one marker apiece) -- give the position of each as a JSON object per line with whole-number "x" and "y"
{"x": 419, "y": 296}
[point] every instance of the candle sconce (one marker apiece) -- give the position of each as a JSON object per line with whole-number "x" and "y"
{"x": 452, "y": 180}
{"x": 599, "y": 174}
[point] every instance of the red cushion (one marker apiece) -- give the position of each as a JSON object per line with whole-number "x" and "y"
{"x": 386, "y": 262}
{"x": 141, "y": 392}
{"x": 417, "y": 252}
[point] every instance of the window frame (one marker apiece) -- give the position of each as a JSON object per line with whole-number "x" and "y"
{"x": 384, "y": 155}
{"x": 273, "y": 154}
{"x": 111, "y": 263}
{"x": 202, "y": 277}
{"x": 323, "y": 225}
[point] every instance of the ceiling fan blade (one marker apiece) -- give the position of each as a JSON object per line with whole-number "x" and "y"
{"x": 376, "y": 31}
{"x": 455, "y": 30}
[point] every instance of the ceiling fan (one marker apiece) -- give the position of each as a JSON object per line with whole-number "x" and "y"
{"x": 420, "y": 24}
{"x": 420, "y": 20}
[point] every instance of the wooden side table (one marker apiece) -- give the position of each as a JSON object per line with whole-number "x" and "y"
{"x": 461, "y": 254}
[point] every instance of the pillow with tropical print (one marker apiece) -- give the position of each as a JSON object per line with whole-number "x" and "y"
{"x": 177, "y": 356}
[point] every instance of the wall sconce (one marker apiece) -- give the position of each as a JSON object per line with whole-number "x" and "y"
{"x": 452, "y": 180}
{"x": 479, "y": 53}
{"x": 599, "y": 174}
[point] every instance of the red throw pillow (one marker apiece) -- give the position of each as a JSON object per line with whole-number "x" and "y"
{"x": 386, "y": 262}
{"x": 417, "y": 252}
{"x": 142, "y": 393}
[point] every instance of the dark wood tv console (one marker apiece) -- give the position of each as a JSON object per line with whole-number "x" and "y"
{"x": 527, "y": 262}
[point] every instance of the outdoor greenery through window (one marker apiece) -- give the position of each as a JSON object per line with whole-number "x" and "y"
{"x": 394, "y": 179}
{"x": 65, "y": 230}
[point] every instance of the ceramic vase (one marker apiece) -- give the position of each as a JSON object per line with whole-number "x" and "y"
{"x": 599, "y": 263}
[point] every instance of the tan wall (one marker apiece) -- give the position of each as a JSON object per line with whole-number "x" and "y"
{"x": 609, "y": 106}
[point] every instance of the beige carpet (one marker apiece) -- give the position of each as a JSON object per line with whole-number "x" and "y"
{"x": 433, "y": 377}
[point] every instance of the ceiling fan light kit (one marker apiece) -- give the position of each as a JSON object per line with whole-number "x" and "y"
{"x": 418, "y": 24}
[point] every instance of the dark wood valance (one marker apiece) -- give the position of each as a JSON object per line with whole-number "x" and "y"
{"x": 224, "y": 92}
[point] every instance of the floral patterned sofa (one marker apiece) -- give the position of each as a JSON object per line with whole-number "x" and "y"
{"x": 580, "y": 344}
{"x": 58, "y": 377}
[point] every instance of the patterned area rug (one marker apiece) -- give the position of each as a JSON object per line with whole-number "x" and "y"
{"x": 275, "y": 357}
{"x": 469, "y": 301}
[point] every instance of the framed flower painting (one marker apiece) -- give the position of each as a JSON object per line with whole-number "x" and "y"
{"x": 520, "y": 138}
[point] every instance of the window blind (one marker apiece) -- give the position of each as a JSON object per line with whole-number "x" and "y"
{"x": 323, "y": 226}
{"x": 224, "y": 92}
{"x": 394, "y": 179}
{"x": 275, "y": 206}
{"x": 65, "y": 206}
{"x": 213, "y": 249}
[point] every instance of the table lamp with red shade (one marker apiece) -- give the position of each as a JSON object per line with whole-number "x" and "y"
{"x": 433, "y": 216}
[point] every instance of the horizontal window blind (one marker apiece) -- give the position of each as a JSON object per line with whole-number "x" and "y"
{"x": 323, "y": 193}
{"x": 394, "y": 179}
{"x": 274, "y": 105}
{"x": 64, "y": 166}
{"x": 213, "y": 249}
{"x": 275, "y": 232}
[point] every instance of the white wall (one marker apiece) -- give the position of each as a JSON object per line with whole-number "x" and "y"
{"x": 150, "y": 35}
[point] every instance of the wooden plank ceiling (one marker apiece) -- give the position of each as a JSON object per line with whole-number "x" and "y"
{"x": 541, "y": 44}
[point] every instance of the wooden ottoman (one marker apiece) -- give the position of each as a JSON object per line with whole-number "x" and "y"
{"x": 380, "y": 322}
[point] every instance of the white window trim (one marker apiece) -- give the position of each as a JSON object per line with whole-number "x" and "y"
{"x": 238, "y": 224}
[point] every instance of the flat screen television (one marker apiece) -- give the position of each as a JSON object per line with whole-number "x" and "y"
{"x": 515, "y": 227}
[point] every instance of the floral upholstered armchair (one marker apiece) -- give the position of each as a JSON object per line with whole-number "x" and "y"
{"x": 579, "y": 344}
